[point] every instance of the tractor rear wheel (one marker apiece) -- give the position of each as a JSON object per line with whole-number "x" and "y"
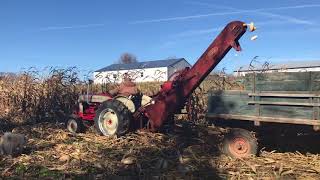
{"x": 112, "y": 118}
{"x": 75, "y": 125}
{"x": 239, "y": 143}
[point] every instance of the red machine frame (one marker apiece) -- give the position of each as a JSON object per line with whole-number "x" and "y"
{"x": 89, "y": 113}
{"x": 174, "y": 93}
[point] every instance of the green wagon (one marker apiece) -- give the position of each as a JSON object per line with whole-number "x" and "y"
{"x": 278, "y": 102}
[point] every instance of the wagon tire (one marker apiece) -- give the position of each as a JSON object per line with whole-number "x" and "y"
{"x": 112, "y": 118}
{"x": 239, "y": 143}
{"x": 75, "y": 125}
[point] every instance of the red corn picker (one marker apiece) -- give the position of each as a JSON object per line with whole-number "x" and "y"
{"x": 120, "y": 114}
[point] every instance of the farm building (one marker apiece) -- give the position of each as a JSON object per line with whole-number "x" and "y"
{"x": 147, "y": 71}
{"x": 293, "y": 66}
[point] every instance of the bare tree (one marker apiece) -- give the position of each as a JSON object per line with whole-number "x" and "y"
{"x": 127, "y": 58}
{"x": 256, "y": 65}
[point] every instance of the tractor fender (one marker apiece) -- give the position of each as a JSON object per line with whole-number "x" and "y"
{"x": 127, "y": 102}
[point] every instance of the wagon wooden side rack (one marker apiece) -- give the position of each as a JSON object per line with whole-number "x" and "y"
{"x": 278, "y": 100}
{"x": 314, "y": 104}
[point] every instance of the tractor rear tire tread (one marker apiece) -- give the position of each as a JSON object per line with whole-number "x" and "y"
{"x": 123, "y": 114}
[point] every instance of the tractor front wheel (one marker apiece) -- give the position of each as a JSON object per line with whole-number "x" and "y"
{"x": 113, "y": 118}
{"x": 75, "y": 125}
{"x": 239, "y": 143}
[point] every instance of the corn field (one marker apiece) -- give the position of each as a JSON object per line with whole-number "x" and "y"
{"x": 196, "y": 106}
{"x": 34, "y": 96}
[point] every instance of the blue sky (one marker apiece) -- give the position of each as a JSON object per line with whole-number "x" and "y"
{"x": 93, "y": 34}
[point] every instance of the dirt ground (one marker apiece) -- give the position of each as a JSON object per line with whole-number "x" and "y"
{"x": 191, "y": 152}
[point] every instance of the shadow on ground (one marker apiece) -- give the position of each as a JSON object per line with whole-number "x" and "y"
{"x": 304, "y": 143}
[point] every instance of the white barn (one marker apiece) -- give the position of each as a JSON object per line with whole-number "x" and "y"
{"x": 148, "y": 71}
{"x": 293, "y": 66}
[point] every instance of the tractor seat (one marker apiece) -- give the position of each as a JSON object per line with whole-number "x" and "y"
{"x": 93, "y": 98}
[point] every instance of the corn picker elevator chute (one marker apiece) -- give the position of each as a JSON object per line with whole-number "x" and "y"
{"x": 120, "y": 114}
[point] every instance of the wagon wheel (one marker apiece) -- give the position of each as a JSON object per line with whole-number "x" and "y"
{"x": 239, "y": 143}
{"x": 112, "y": 118}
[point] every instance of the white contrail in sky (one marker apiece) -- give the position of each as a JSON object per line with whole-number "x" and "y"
{"x": 222, "y": 13}
{"x": 261, "y": 12}
{"x": 52, "y": 28}
{"x": 212, "y": 30}
{"x": 281, "y": 20}
{"x": 287, "y": 18}
{"x": 198, "y": 32}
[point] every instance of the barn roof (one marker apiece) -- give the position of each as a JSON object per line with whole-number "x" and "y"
{"x": 285, "y": 65}
{"x": 141, "y": 65}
